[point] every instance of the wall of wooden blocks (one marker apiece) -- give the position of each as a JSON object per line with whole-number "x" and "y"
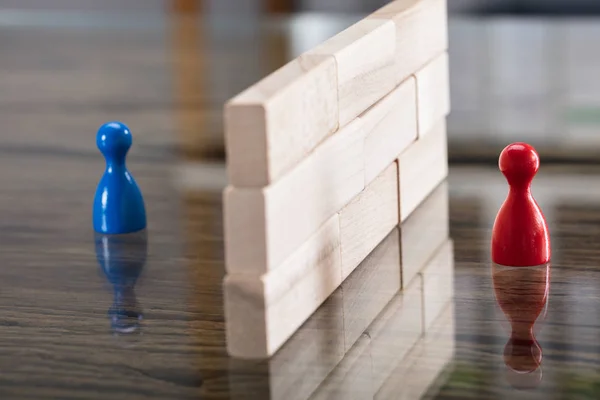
{"x": 325, "y": 157}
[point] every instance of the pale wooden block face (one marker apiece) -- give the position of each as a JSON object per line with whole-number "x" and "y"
{"x": 263, "y": 312}
{"x": 365, "y": 56}
{"x": 245, "y": 230}
{"x": 368, "y": 218}
{"x": 421, "y": 32}
{"x": 425, "y": 362}
{"x": 395, "y": 331}
{"x": 391, "y": 126}
{"x": 352, "y": 377}
{"x": 245, "y": 313}
{"x": 371, "y": 286}
{"x": 438, "y": 283}
{"x": 424, "y": 232}
{"x": 292, "y": 209}
{"x": 422, "y": 166}
{"x": 275, "y": 124}
{"x": 433, "y": 93}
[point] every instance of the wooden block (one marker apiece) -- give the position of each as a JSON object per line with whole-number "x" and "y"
{"x": 302, "y": 363}
{"x": 422, "y": 166}
{"x": 265, "y": 226}
{"x": 275, "y": 124}
{"x": 421, "y": 32}
{"x": 416, "y": 375}
{"x": 351, "y": 379}
{"x": 391, "y": 126}
{"x": 371, "y": 287}
{"x": 368, "y": 218}
{"x": 438, "y": 283}
{"x": 262, "y": 312}
{"x": 365, "y": 56}
{"x": 395, "y": 331}
{"x": 422, "y": 234}
{"x": 433, "y": 93}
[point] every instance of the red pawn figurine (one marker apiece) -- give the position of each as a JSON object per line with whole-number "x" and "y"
{"x": 520, "y": 235}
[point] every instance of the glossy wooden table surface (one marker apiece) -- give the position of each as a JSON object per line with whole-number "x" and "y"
{"x": 150, "y": 325}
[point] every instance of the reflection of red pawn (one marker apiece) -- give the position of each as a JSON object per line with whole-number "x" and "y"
{"x": 522, "y": 294}
{"x": 520, "y": 236}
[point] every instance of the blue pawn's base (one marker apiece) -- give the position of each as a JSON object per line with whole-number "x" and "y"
{"x": 119, "y": 230}
{"x": 127, "y": 215}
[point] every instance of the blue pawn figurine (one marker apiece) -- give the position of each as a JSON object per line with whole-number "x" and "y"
{"x": 118, "y": 204}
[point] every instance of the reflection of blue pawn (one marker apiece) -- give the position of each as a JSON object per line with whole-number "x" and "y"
{"x": 122, "y": 259}
{"x": 118, "y": 204}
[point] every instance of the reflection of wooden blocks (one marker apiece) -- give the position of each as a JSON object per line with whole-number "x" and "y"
{"x": 326, "y": 157}
{"x": 351, "y": 379}
{"x": 301, "y": 365}
{"x": 425, "y": 362}
{"x": 394, "y": 344}
{"x": 424, "y": 231}
{"x": 317, "y": 348}
{"x": 403, "y": 321}
{"x": 395, "y": 331}
{"x": 273, "y": 125}
{"x": 366, "y": 335}
{"x": 371, "y": 286}
{"x": 438, "y": 283}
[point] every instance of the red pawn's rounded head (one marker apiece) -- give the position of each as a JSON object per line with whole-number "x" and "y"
{"x": 519, "y": 162}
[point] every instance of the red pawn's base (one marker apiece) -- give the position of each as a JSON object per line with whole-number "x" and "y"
{"x": 520, "y": 237}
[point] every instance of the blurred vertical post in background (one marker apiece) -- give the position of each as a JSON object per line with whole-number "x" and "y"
{"x": 186, "y": 6}
{"x": 189, "y": 77}
{"x": 279, "y": 6}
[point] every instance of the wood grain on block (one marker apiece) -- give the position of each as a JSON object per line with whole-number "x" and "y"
{"x": 275, "y": 124}
{"x": 395, "y": 331}
{"x": 301, "y": 364}
{"x": 433, "y": 93}
{"x": 421, "y": 32}
{"x": 421, "y": 167}
{"x": 365, "y": 57}
{"x": 371, "y": 287}
{"x": 351, "y": 379}
{"x": 438, "y": 283}
{"x": 391, "y": 125}
{"x": 262, "y": 312}
{"x": 263, "y": 227}
{"x": 368, "y": 218}
{"x": 424, "y": 364}
{"x": 422, "y": 234}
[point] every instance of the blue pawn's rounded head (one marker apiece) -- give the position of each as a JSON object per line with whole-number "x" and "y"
{"x": 114, "y": 140}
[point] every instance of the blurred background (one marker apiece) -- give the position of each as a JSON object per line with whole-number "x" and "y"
{"x": 520, "y": 69}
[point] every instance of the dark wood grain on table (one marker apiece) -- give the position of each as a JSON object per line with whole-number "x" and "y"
{"x": 55, "y": 331}
{"x": 56, "y": 303}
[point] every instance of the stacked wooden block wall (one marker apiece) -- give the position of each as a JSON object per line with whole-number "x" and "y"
{"x": 325, "y": 157}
